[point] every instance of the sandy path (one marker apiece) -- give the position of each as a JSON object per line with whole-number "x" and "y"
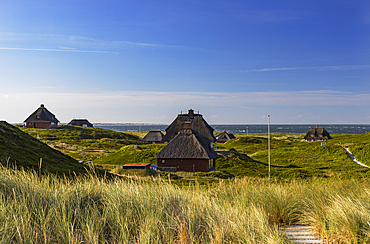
{"x": 354, "y": 159}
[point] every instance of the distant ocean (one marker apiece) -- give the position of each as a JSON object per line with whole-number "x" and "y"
{"x": 333, "y": 129}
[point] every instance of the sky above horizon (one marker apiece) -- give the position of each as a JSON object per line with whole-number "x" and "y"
{"x": 147, "y": 61}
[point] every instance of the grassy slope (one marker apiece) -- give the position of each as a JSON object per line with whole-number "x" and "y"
{"x": 361, "y": 148}
{"x": 25, "y": 151}
{"x": 84, "y": 143}
{"x": 291, "y": 157}
{"x": 128, "y": 154}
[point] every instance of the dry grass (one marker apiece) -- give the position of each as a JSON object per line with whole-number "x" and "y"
{"x": 91, "y": 210}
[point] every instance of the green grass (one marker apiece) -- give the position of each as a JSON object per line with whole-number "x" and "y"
{"x": 129, "y": 154}
{"x": 23, "y": 150}
{"x": 83, "y": 143}
{"x": 292, "y": 157}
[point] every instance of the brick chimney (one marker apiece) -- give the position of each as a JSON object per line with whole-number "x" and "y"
{"x": 186, "y": 125}
{"x": 191, "y": 113}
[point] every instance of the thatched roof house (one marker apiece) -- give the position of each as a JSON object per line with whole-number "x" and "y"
{"x": 153, "y": 137}
{"x": 41, "y": 118}
{"x": 224, "y": 137}
{"x": 80, "y": 122}
{"x": 317, "y": 134}
{"x": 197, "y": 123}
{"x": 188, "y": 151}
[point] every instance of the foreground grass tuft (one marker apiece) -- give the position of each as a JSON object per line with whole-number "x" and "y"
{"x": 50, "y": 209}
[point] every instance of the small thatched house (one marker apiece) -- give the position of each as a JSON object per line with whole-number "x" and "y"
{"x": 153, "y": 137}
{"x": 41, "y": 118}
{"x": 188, "y": 151}
{"x": 317, "y": 134}
{"x": 80, "y": 122}
{"x": 224, "y": 137}
{"x": 197, "y": 123}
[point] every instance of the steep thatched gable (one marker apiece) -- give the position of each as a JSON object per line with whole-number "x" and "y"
{"x": 317, "y": 134}
{"x": 153, "y": 136}
{"x": 188, "y": 143}
{"x": 80, "y": 122}
{"x": 224, "y": 136}
{"x": 42, "y": 115}
{"x": 197, "y": 123}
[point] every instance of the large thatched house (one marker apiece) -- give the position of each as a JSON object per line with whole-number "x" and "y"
{"x": 80, "y": 122}
{"x": 317, "y": 134}
{"x": 41, "y": 118}
{"x": 224, "y": 137}
{"x": 197, "y": 123}
{"x": 153, "y": 137}
{"x": 188, "y": 151}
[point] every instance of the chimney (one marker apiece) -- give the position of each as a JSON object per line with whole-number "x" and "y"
{"x": 42, "y": 105}
{"x": 191, "y": 113}
{"x": 186, "y": 125}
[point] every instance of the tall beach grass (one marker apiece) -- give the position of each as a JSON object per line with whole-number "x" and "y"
{"x": 88, "y": 209}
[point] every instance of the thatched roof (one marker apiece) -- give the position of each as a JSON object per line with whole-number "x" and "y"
{"x": 197, "y": 123}
{"x": 41, "y": 115}
{"x": 80, "y": 122}
{"x": 317, "y": 134}
{"x": 224, "y": 136}
{"x": 187, "y": 144}
{"x": 153, "y": 135}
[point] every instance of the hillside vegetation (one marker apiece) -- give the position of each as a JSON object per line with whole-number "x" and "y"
{"x": 23, "y": 150}
{"x": 292, "y": 157}
{"x": 83, "y": 143}
{"x": 132, "y": 154}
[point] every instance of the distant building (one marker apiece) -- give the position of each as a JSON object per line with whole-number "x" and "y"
{"x": 80, "y": 122}
{"x": 197, "y": 123}
{"x": 41, "y": 118}
{"x": 188, "y": 151}
{"x": 136, "y": 166}
{"x": 153, "y": 137}
{"x": 224, "y": 137}
{"x": 317, "y": 134}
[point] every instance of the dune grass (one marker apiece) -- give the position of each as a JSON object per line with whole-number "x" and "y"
{"x": 88, "y": 209}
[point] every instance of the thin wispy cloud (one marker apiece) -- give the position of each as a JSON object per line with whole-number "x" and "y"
{"x": 319, "y": 68}
{"x": 75, "y": 43}
{"x": 148, "y": 106}
{"x": 217, "y": 99}
{"x": 53, "y": 50}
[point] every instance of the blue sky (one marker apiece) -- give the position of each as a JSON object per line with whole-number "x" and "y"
{"x": 146, "y": 61}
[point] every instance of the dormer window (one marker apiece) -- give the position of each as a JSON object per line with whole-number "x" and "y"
{"x": 37, "y": 116}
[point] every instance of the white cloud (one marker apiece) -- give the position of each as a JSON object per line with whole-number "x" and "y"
{"x": 52, "y": 50}
{"x": 319, "y": 68}
{"x": 69, "y": 43}
{"x": 155, "y": 106}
